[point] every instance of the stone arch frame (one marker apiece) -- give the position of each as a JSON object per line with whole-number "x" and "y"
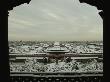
{"x": 97, "y": 3}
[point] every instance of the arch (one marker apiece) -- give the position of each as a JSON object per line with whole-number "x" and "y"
{"x": 97, "y": 3}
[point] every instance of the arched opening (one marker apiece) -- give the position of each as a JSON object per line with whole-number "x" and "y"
{"x": 55, "y": 20}
{"x": 71, "y": 21}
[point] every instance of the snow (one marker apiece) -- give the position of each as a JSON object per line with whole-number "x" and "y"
{"x": 32, "y": 65}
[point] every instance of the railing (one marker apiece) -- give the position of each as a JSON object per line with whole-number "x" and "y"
{"x": 57, "y": 77}
{"x": 61, "y": 73}
{"x": 65, "y": 55}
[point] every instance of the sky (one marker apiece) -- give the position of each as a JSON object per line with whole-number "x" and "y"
{"x": 55, "y": 20}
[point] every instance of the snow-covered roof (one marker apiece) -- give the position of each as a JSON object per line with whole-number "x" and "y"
{"x": 56, "y": 44}
{"x": 25, "y": 46}
{"x": 57, "y": 49}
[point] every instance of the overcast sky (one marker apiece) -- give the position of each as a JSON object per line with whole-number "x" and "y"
{"x": 55, "y": 20}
